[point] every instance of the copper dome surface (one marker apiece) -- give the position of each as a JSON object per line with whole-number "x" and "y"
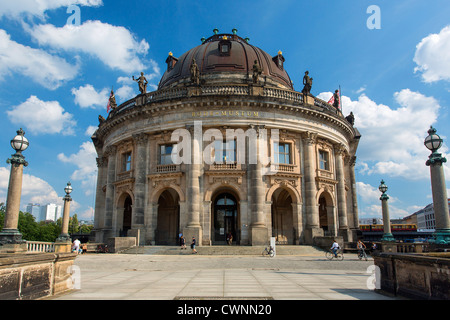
{"x": 234, "y": 66}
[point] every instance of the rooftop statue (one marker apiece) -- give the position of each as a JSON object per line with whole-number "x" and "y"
{"x": 336, "y": 102}
{"x": 256, "y": 71}
{"x": 195, "y": 73}
{"x": 307, "y": 82}
{"x": 142, "y": 81}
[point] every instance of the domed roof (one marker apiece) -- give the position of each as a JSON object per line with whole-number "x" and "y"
{"x": 226, "y": 58}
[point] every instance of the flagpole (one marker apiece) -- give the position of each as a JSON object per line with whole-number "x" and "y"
{"x": 340, "y": 98}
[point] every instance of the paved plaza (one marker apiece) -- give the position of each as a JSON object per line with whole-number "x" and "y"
{"x": 189, "y": 276}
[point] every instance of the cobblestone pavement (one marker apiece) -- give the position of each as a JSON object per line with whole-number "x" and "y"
{"x": 189, "y": 276}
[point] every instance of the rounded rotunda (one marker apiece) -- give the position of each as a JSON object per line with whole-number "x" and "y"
{"x": 225, "y": 147}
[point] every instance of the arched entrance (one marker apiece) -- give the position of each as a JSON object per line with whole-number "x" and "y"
{"x": 225, "y": 218}
{"x": 326, "y": 214}
{"x": 282, "y": 217}
{"x": 127, "y": 214}
{"x": 168, "y": 220}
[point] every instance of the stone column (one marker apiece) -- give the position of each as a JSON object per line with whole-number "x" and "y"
{"x": 63, "y": 243}
{"x": 102, "y": 163}
{"x": 341, "y": 193}
{"x": 440, "y": 200}
{"x": 109, "y": 196}
{"x": 312, "y": 228}
{"x": 10, "y": 236}
{"x": 258, "y": 228}
{"x": 140, "y": 173}
{"x": 193, "y": 227}
{"x": 354, "y": 196}
{"x": 387, "y": 235}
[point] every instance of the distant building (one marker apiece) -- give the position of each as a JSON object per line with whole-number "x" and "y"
{"x": 425, "y": 218}
{"x": 370, "y": 221}
{"x": 48, "y": 212}
{"x": 35, "y": 210}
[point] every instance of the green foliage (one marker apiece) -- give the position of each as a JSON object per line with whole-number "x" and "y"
{"x": 44, "y": 230}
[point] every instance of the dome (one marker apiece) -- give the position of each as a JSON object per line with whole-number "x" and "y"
{"x": 226, "y": 58}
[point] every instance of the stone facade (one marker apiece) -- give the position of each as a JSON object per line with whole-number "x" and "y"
{"x": 302, "y": 188}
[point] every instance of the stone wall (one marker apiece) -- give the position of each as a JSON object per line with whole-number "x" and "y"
{"x": 32, "y": 276}
{"x": 417, "y": 276}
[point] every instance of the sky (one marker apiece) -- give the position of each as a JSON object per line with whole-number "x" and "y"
{"x": 59, "y": 60}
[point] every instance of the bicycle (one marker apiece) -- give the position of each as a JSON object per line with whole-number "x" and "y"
{"x": 338, "y": 256}
{"x": 362, "y": 254}
{"x": 268, "y": 251}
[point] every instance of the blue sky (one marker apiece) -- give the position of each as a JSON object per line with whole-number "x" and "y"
{"x": 55, "y": 79}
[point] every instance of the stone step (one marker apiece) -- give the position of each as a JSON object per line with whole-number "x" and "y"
{"x": 225, "y": 250}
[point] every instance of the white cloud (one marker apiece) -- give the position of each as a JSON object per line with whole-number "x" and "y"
{"x": 17, "y": 8}
{"x": 18, "y": 60}
{"x": 34, "y": 189}
{"x": 392, "y": 139}
{"x": 90, "y": 130}
{"x": 85, "y": 160}
{"x": 115, "y": 46}
{"x": 88, "y": 97}
{"x": 432, "y": 56}
{"x": 41, "y": 117}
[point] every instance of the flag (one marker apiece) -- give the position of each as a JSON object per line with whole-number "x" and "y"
{"x": 331, "y": 101}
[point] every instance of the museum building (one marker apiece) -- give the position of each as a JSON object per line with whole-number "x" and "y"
{"x": 225, "y": 146}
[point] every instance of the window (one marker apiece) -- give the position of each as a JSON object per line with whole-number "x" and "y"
{"x": 225, "y": 151}
{"x": 165, "y": 154}
{"x": 282, "y": 153}
{"x": 126, "y": 161}
{"x": 324, "y": 161}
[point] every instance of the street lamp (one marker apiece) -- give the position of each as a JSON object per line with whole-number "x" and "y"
{"x": 63, "y": 240}
{"x": 440, "y": 204}
{"x": 10, "y": 234}
{"x": 387, "y": 236}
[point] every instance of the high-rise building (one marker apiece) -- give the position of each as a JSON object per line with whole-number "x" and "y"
{"x": 35, "y": 210}
{"x": 50, "y": 212}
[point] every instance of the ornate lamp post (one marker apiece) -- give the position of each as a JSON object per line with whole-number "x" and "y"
{"x": 63, "y": 243}
{"x": 10, "y": 234}
{"x": 433, "y": 142}
{"x": 387, "y": 236}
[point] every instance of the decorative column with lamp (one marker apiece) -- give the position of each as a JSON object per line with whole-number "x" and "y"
{"x": 440, "y": 203}
{"x": 10, "y": 237}
{"x": 63, "y": 242}
{"x": 387, "y": 235}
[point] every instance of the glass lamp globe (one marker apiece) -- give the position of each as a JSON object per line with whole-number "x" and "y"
{"x": 433, "y": 141}
{"x": 383, "y": 188}
{"x": 68, "y": 188}
{"x": 20, "y": 143}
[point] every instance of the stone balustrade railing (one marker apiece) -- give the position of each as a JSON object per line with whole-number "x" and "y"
{"x": 226, "y": 90}
{"x": 40, "y": 246}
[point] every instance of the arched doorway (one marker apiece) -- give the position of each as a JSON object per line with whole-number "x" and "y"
{"x": 225, "y": 219}
{"x": 326, "y": 214}
{"x": 282, "y": 217}
{"x": 127, "y": 214}
{"x": 168, "y": 220}
{"x": 323, "y": 214}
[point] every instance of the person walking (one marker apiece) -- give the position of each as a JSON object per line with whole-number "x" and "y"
{"x": 193, "y": 243}
{"x": 182, "y": 243}
{"x": 76, "y": 246}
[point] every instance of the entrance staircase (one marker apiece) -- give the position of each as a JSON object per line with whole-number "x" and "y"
{"x": 297, "y": 250}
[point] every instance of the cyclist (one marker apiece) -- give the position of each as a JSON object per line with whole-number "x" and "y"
{"x": 335, "y": 247}
{"x": 361, "y": 246}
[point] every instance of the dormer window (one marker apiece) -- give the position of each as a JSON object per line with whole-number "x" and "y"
{"x": 224, "y": 46}
{"x": 279, "y": 60}
{"x": 171, "y": 61}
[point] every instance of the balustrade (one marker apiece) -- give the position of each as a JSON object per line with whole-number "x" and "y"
{"x": 40, "y": 246}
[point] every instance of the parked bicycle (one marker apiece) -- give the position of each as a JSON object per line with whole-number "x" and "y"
{"x": 102, "y": 248}
{"x": 268, "y": 251}
{"x": 331, "y": 255}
